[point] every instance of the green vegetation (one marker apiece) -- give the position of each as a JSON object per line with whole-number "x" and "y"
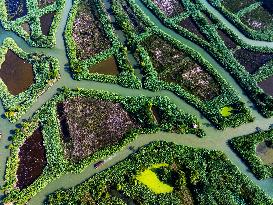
{"x": 35, "y": 24}
{"x": 251, "y": 17}
{"x": 168, "y": 64}
{"x": 226, "y": 47}
{"x": 198, "y": 176}
{"x": 45, "y": 71}
{"x": 247, "y": 148}
{"x": 115, "y": 43}
{"x": 88, "y": 46}
{"x": 58, "y": 143}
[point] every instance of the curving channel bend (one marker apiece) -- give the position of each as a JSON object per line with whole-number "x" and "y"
{"x": 215, "y": 139}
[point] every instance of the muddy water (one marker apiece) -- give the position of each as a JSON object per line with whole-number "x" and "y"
{"x": 107, "y": 67}
{"x": 265, "y": 153}
{"x": 215, "y": 139}
{"x": 16, "y": 73}
{"x": 26, "y": 27}
{"x": 46, "y": 21}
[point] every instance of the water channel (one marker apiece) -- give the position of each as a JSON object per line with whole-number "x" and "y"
{"x": 215, "y": 139}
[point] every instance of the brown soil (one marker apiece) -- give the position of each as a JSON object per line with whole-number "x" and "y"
{"x": 265, "y": 152}
{"x": 46, "y": 22}
{"x": 26, "y": 27}
{"x": 107, "y": 67}
{"x": 32, "y": 159}
{"x": 267, "y": 86}
{"x": 92, "y": 125}
{"x": 16, "y": 73}
{"x": 185, "y": 195}
{"x": 163, "y": 54}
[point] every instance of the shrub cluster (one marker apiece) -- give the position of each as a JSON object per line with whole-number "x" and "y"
{"x": 80, "y": 68}
{"x": 245, "y": 147}
{"x": 35, "y": 38}
{"x": 206, "y": 176}
{"x": 211, "y": 109}
{"x": 237, "y": 21}
{"x": 216, "y": 47}
{"x": 46, "y": 71}
{"x": 171, "y": 120}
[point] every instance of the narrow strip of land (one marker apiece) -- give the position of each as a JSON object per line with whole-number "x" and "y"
{"x": 215, "y": 140}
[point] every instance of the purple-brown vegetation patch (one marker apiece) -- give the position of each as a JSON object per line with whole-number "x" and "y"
{"x": 173, "y": 65}
{"x": 228, "y": 41}
{"x": 234, "y": 5}
{"x": 88, "y": 32}
{"x": 32, "y": 160}
{"x": 259, "y": 19}
{"x": 16, "y": 73}
{"x": 170, "y": 8}
{"x": 252, "y": 60}
{"x": 191, "y": 26}
{"x": 92, "y": 124}
{"x": 46, "y": 22}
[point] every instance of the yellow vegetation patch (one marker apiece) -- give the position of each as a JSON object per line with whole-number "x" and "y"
{"x": 150, "y": 179}
{"x": 226, "y": 111}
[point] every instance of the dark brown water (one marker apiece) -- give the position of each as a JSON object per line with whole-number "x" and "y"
{"x": 267, "y": 86}
{"x": 252, "y": 60}
{"x": 191, "y": 26}
{"x": 32, "y": 159}
{"x": 156, "y": 114}
{"x": 16, "y": 73}
{"x": 107, "y": 67}
{"x": 46, "y": 21}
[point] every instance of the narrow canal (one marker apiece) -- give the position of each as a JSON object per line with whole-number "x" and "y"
{"x": 215, "y": 139}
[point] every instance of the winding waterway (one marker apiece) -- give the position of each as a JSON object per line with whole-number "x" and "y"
{"x": 215, "y": 139}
